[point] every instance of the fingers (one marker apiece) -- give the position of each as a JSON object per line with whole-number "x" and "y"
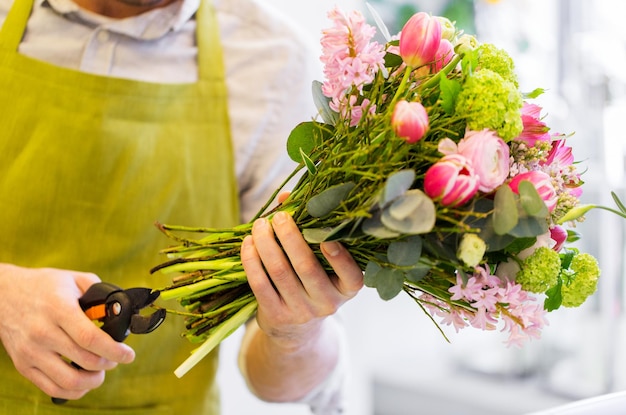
{"x": 278, "y": 252}
{"x": 349, "y": 277}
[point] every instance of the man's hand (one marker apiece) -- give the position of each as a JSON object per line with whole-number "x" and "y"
{"x": 295, "y": 349}
{"x": 42, "y": 327}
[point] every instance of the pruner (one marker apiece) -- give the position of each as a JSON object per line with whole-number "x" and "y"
{"x": 118, "y": 312}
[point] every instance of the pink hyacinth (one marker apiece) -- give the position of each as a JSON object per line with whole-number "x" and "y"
{"x": 419, "y": 39}
{"x": 488, "y": 294}
{"x": 351, "y": 59}
{"x": 451, "y": 181}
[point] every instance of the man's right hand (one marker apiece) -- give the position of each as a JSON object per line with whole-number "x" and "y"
{"x": 42, "y": 327}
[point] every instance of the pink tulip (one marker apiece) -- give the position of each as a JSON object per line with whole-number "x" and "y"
{"x": 534, "y": 129}
{"x": 451, "y": 181}
{"x": 443, "y": 56}
{"x": 542, "y": 182}
{"x": 559, "y": 235}
{"x": 489, "y": 156}
{"x": 419, "y": 39}
{"x": 409, "y": 121}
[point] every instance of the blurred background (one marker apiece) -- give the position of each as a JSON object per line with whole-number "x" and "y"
{"x": 400, "y": 363}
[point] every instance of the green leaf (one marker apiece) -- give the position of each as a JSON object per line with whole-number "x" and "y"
{"x": 505, "y": 215}
{"x": 397, "y": 184}
{"x": 405, "y": 252}
{"x": 322, "y": 204}
{"x": 411, "y": 213}
{"x": 618, "y": 202}
{"x": 530, "y": 226}
{"x": 530, "y": 200}
{"x": 310, "y": 165}
{"x": 304, "y": 138}
{"x": 389, "y": 283}
{"x": 534, "y": 93}
{"x": 316, "y": 235}
{"x": 379, "y": 22}
{"x": 322, "y": 104}
{"x": 374, "y": 226}
{"x": 449, "y": 91}
{"x": 417, "y": 272}
{"x": 554, "y": 297}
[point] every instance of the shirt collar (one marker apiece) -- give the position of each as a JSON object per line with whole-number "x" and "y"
{"x": 150, "y": 25}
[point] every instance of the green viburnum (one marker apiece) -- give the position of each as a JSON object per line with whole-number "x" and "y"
{"x": 497, "y": 60}
{"x": 580, "y": 280}
{"x": 487, "y": 100}
{"x": 540, "y": 270}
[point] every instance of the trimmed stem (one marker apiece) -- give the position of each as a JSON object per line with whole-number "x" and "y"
{"x": 222, "y": 332}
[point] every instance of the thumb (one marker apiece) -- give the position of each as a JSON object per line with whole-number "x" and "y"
{"x": 84, "y": 280}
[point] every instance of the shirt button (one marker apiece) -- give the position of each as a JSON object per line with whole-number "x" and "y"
{"x": 103, "y": 36}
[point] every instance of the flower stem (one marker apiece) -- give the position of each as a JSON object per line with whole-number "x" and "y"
{"x": 222, "y": 331}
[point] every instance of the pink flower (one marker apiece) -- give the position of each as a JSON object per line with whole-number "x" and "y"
{"x": 350, "y": 57}
{"x": 559, "y": 235}
{"x": 488, "y": 155}
{"x": 534, "y": 130}
{"x": 419, "y": 39}
{"x": 542, "y": 182}
{"x": 409, "y": 120}
{"x": 451, "y": 180}
{"x": 560, "y": 154}
{"x": 443, "y": 56}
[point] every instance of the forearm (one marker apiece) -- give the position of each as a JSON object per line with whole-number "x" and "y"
{"x": 280, "y": 370}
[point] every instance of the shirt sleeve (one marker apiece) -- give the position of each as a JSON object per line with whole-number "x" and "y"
{"x": 329, "y": 397}
{"x": 270, "y": 67}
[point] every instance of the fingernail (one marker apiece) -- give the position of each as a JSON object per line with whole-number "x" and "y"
{"x": 280, "y": 218}
{"x": 260, "y": 223}
{"x": 331, "y": 248}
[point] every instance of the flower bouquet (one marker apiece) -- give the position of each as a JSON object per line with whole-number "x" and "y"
{"x": 433, "y": 169}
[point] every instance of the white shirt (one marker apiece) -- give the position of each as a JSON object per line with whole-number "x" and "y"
{"x": 269, "y": 69}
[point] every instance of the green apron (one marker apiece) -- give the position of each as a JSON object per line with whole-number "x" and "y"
{"x": 87, "y": 165}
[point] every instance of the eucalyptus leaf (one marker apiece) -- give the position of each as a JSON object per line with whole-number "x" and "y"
{"x": 328, "y": 200}
{"x": 417, "y": 273}
{"x": 316, "y": 235}
{"x": 505, "y": 214}
{"x": 303, "y": 139}
{"x": 396, "y": 185}
{"x": 412, "y": 213}
{"x": 374, "y": 226}
{"x": 389, "y": 283}
{"x": 405, "y": 252}
{"x": 530, "y": 200}
{"x": 322, "y": 104}
{"x": 528, "y": 227}
{"x": 369, "y": 276}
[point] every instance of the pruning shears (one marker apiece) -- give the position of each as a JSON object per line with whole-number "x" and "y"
{"x": 118, "y": 311}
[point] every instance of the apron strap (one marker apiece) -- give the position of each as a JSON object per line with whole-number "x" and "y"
{"x": 210, "y": 60}
{"x": 14, "y": 25}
